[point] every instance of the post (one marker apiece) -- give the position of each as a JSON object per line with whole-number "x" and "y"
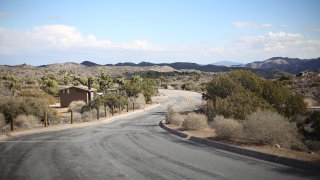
{"x": 112, "y": 110}
{"x": 133, "y": 106}
{"x": 46, "y": 119}
{"x": 105, "y": 111}
{"x": 11, "y": 124}
{"x": 119, "y": 109}
{"x": 98, "y": 113}
{"x": 127, "y": 107}
{"x": 71, "y": 117}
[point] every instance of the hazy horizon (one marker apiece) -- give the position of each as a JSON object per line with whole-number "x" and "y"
{"x": 207, "y": 31}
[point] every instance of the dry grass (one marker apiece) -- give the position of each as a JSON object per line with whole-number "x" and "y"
{"x": 26, "y": 121}
{"x": 171, "y": 110}
{"x": 89, "y": 115}
{"x": 195, "y": 121}
{"x": 76, "y": 106}
{"x": 227, "y": 128}
{"x": 272, "y": 128}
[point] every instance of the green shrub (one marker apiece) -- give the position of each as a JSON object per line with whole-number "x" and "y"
{"x": 271, "y": 128}
{"x": 227, "y": 128}
{"x": 14, "y": 106}
{"x": 239, "y": 105}
{"x": 26, "y": 121}
{"x": 195, "y": 121}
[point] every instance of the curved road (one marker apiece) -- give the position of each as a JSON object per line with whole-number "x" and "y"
{"x": 133, "y": 147}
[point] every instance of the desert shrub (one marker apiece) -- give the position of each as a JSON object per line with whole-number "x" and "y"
{"x": 76, "y": 106}
{"x": 89, "y": 115}
{"x": 248, "y": 80}
{"x": 139, "y": 102}
{"x": 171, "y": 110}
{"x": 313, "y": 145}
{"x": 271, "y": 128}
{"x": 36, "y": 93}
{"x": 189, "y": 86}
{"x": 177, "y": 119}
{"x": 227, "y": 128}
{"x": 221, "y": 86}
{"x": 149, "y": 89}
{"x": 239, "y": 105}
{"x": 26, "y": 121}
{"x": 2, "y": 121}
{"x": 77, "y": 117}
{"x": 195, "y": 121}
{"x": 14, "y": 106}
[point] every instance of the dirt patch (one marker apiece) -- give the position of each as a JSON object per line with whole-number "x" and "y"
{"x": 209, "y": 133}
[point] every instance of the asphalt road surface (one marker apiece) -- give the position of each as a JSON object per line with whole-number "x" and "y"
{"x": 133, "y": 147}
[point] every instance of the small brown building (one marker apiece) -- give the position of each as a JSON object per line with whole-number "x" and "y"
{"x": 75, "y": 93}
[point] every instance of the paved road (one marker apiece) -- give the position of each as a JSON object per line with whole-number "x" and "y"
{"x": 134, "y": 147}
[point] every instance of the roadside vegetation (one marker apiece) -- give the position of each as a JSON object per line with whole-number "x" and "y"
{"x": 243, "y": 107}
{"x": 26, "y": 100}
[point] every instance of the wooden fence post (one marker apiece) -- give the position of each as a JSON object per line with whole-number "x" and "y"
{"x": 11, "y": 124}
{"x": 112, "y": 110}
{"x": 105, "y": 111}
{"x": 119, "y": 109}
{"x": 71, "y": 117}
{"x": 133, "y": 106}
{"x": 127, "y": 107}
{"x": 46, "y": 119}
{"x": 98, "y": 113}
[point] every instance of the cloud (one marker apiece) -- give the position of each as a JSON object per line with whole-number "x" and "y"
{"x": 51, "y": 42}
{"x": 240, "y": 24}
{"x": 277, "y": 44}
{"x": 61, "y": 37}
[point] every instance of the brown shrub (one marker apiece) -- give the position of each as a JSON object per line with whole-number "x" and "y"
{"x": 227, "y": 128}
{"x": 177, "y": 119}
{"x": 76, "y": 106}
{"x": 195, "y": 121}
{"x": 171, "y": 110}
{"x": 89, "y": 115}
{"x": 272, "y": 128}
{"x": 26, "y": 121}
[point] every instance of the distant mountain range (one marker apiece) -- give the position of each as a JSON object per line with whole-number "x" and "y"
{"x": 227, "y": 64}
{"x": 283, "y": 64}
{"x": 176, "y": 65}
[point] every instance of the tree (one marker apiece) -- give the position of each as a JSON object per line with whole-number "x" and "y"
{"x": 105, "y": 82}
{"x": 149, "y": 89}
{"x": 221, "y": 86}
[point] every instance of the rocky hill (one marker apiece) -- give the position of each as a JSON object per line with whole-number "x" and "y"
{"x": 285, "y": 64}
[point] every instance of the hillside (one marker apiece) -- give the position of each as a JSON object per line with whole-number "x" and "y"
{"x": 285, "y": 64}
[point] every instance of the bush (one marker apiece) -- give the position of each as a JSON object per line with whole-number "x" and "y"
{"x": 26, "y": 121}
{"x": 177, "y": 119}
{"x": 15, "y": 106}
{"x": 76, "y": 106}
{"x": 195, "y": 121}
{"x": 139, "y": 102}
{"x": 89, "y": 115}
{"x": 227, "y": 128}
{"x": 239, "y": 105}
{"x": 271, "y": 128}
{"x": 171, "y": 110}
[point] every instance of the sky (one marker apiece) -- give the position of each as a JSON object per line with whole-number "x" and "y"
{"x": 41, "y": 32}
